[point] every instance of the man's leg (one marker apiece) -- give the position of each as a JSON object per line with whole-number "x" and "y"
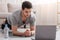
{"x": 8, "y": 25}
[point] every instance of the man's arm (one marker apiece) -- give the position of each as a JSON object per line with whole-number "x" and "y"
{"x": 33, "y": 24}
{"x": 15, "y": 32}
{"x": 32, "y": 29}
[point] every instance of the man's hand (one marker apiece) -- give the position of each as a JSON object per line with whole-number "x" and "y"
{"x": 27, "y": 33}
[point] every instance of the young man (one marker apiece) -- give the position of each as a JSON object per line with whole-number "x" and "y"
{"x": 22, "y": 17}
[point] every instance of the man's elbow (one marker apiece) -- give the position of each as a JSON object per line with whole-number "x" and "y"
{"x": 13, "y": 32}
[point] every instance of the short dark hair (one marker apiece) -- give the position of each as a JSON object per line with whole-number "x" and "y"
{"x": 26, "y": 4}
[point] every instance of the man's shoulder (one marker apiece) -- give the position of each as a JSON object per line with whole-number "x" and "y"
{"x": 17, "y": 11}
{"x": 33, "y": 16}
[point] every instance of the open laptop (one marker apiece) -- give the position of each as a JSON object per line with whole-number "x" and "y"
{"x": 45, "y": 32}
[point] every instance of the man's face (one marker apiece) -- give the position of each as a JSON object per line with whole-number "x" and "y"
{"x": 26, "y": 12}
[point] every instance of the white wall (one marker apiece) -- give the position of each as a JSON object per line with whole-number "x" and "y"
{"x": 46, "y": 14}
{"x": 58, "y": 12}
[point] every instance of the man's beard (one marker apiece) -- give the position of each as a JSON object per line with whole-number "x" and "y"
{"x": 25, "y": 16}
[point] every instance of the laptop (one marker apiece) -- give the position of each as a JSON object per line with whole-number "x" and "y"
{"x": 45, "y": 32}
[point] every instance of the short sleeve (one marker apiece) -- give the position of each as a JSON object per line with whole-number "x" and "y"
{"x": 32, "y": 21}
{"x": 13, "y": 20}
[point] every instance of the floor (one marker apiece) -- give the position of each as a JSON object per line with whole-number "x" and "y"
{"x": 58, "y": 34}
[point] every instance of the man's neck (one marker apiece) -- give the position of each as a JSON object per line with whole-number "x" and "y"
{"x": 23, "y": 17}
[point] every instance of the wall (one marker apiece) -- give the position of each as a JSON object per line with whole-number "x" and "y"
{"x": 46, "y": 14}
{"x": 58, "y": 13}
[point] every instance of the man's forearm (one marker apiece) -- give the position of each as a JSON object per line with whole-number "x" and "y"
{"x": 15, "y": 32}
{"x": 32, "y": 29}
{"x": 18, "y": 33}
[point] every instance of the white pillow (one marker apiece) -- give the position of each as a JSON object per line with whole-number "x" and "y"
{"x": 3, "y": 7}
{"x": 13, "y": 7}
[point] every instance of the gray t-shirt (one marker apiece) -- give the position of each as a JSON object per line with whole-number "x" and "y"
{"x": 16, "y": 19}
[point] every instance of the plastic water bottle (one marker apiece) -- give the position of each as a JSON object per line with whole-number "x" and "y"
{"x": 6, "y": 31}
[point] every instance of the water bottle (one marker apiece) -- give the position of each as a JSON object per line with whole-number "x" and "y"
{"x": 6, "y": 31}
